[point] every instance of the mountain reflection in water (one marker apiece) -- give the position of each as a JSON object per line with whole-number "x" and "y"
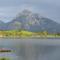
{"x": 25, "y": 50}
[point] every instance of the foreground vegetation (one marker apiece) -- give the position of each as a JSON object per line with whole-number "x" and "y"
{"x": 27, "y": 34}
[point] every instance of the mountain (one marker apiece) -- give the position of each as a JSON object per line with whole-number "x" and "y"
{"x": 30, "y": 21}
{"x": 2, "y": 25}
{"x": 33, "y": 22}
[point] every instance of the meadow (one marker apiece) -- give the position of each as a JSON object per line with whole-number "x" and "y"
{"x": 27, "y": 34}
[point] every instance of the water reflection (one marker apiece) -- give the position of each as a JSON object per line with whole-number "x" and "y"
{"x": 30, "y": 51}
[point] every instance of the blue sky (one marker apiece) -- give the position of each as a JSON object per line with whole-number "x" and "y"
{"x": 47, "y": 8}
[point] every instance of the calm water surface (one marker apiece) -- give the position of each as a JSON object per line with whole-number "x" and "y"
{"x": 31, "y": 49}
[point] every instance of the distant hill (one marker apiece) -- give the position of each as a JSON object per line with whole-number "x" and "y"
{"x": 30, "y": 21}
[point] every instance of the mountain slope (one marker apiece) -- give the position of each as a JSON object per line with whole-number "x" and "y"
{"x": 2, "y": 25}
{"x": 33, "y": 22}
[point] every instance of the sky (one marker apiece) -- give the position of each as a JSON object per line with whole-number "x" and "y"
{"x": 47, "y": 8}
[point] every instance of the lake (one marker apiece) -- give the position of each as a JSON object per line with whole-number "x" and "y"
{"x": 31, "y": 49}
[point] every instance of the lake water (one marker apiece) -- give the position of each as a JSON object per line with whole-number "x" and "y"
{"x": 31, "y": 49}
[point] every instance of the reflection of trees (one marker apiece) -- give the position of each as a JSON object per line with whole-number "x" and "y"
{"x": 4, "y": 58}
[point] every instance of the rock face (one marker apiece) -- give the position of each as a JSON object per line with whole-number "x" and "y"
{"x": 32, "y": 22}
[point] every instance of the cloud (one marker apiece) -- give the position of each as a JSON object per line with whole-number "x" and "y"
{"x": 47, "y": 8}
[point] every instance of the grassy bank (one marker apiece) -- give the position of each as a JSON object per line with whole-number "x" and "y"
{"x": 27, "y": 34}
